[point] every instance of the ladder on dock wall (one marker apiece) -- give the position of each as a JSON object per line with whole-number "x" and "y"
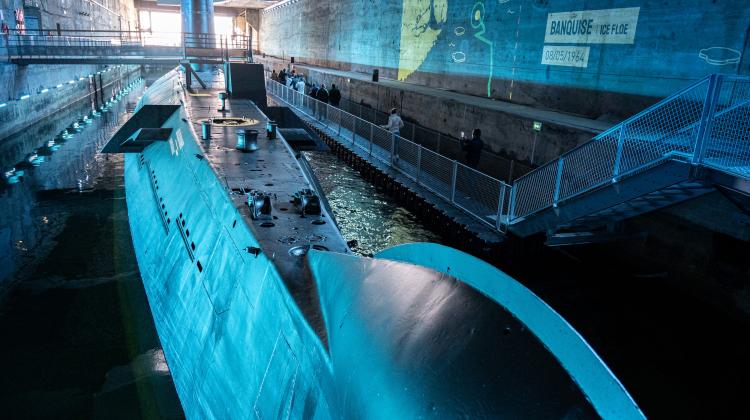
{"x": 678, "y": 149}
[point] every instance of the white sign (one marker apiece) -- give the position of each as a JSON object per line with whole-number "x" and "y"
{"x": 609, "y": 26}
{"x": 565, "y": 55}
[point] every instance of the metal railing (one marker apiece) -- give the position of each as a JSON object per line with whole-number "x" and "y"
{"x": 706, "y": 124}
{"x": 490, "y": 163}
{"x": 444, "y": 144}
{"x": 96, "y": 43}
{"x": 479, "y": 195}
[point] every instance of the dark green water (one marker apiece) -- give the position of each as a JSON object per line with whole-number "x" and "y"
{"x": 363, "y": 213}
{"x": 78, "y": 338}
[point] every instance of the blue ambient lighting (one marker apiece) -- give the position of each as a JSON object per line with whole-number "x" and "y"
{"x": 45, "y": 90}
{"x": 24, "y": 97}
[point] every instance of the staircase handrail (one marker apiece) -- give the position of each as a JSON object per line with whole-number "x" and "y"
{"x": 548, "y": 194}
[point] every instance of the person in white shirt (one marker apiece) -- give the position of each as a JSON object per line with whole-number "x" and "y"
{"x": 395, "y": 124}
{"x": 301, "y": 85}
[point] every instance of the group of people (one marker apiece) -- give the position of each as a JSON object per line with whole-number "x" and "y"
{"x": 471, "y": 147}
{"x": 298, "y": 82}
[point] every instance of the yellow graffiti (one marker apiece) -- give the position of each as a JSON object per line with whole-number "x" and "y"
{"x": 421, "y": 23}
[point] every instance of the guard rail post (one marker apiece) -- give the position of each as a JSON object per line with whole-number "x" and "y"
{"x": 371, "y": 132}
{"x": 453, "y": 182}
{"x": 512, "y": 204}
{"x": 419, "y": 162}
{"x": 393, "y": 148}
{"x": 618, "y": 154}
{"x": 500, "y": 204}
{"x": 707, "y": 118}
{"x": 558, "y": 181}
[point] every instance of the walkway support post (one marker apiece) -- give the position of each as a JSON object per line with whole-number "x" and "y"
{"x": 558, "y": 181}
{"x": 707, "y": 118}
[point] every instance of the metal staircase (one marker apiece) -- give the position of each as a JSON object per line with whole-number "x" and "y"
{"x": 678, "y": 149}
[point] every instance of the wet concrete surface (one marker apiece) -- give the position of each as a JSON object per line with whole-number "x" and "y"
{"x": 78, "y": 337}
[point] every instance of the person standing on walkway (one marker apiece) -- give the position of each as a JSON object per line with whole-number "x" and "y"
{"x": 322, "y": 94}
{"x": 301, "y": 84}
{"x": 395, "y": 124}
{"x": 314, "y": 90}
{"x": 282, "y": 76}
{"x": 473, "y": 148}
{"x": 274, "y": 76}
{"x": 335, "y": 96}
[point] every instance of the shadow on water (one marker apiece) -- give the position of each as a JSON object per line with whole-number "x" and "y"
{"x": 78, "y": 338}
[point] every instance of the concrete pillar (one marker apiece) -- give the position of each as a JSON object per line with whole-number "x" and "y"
{"x": 198, "y": 18}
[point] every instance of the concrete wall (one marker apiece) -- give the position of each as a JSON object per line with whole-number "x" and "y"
{"x": 507, "y": 136}
{"x": 72, "y": 14}
{"x": 632, "y": 52}
{"x": 45, "y": 97}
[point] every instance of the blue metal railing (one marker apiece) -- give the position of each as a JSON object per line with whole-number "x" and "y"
{"x": 477, "y": 194}
{"x": 707, "y": 123}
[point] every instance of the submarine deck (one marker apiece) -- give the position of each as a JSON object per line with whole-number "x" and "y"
{"x": 274, "y": 170}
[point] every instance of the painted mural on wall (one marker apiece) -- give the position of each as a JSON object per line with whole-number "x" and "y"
{"x": 609, "y": 45}
{"x": 625, "y": 46}
{"x": 422, "y": 22}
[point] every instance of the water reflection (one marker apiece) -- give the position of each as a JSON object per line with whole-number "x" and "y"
{"x": 364, "y": 214}
{"x": 58, "y": 153}
{"x": 78, "y": 336}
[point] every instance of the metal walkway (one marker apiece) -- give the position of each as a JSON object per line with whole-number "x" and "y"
{"x": 676, "y": 150}
{"x": 123, "y": 47}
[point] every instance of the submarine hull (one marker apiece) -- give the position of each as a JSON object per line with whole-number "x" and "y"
{"x": 252, "y": 331}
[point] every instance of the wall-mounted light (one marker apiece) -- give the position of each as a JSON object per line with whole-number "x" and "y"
{"x": 71, "y": 82}
{"x": 3, "y": 105}
{"x": 25, "y": 97}
{"x": 45, "y": 90}
{"x": 81, "y": 78}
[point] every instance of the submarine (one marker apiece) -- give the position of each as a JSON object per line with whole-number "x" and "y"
{"x": 264, "y": 312}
